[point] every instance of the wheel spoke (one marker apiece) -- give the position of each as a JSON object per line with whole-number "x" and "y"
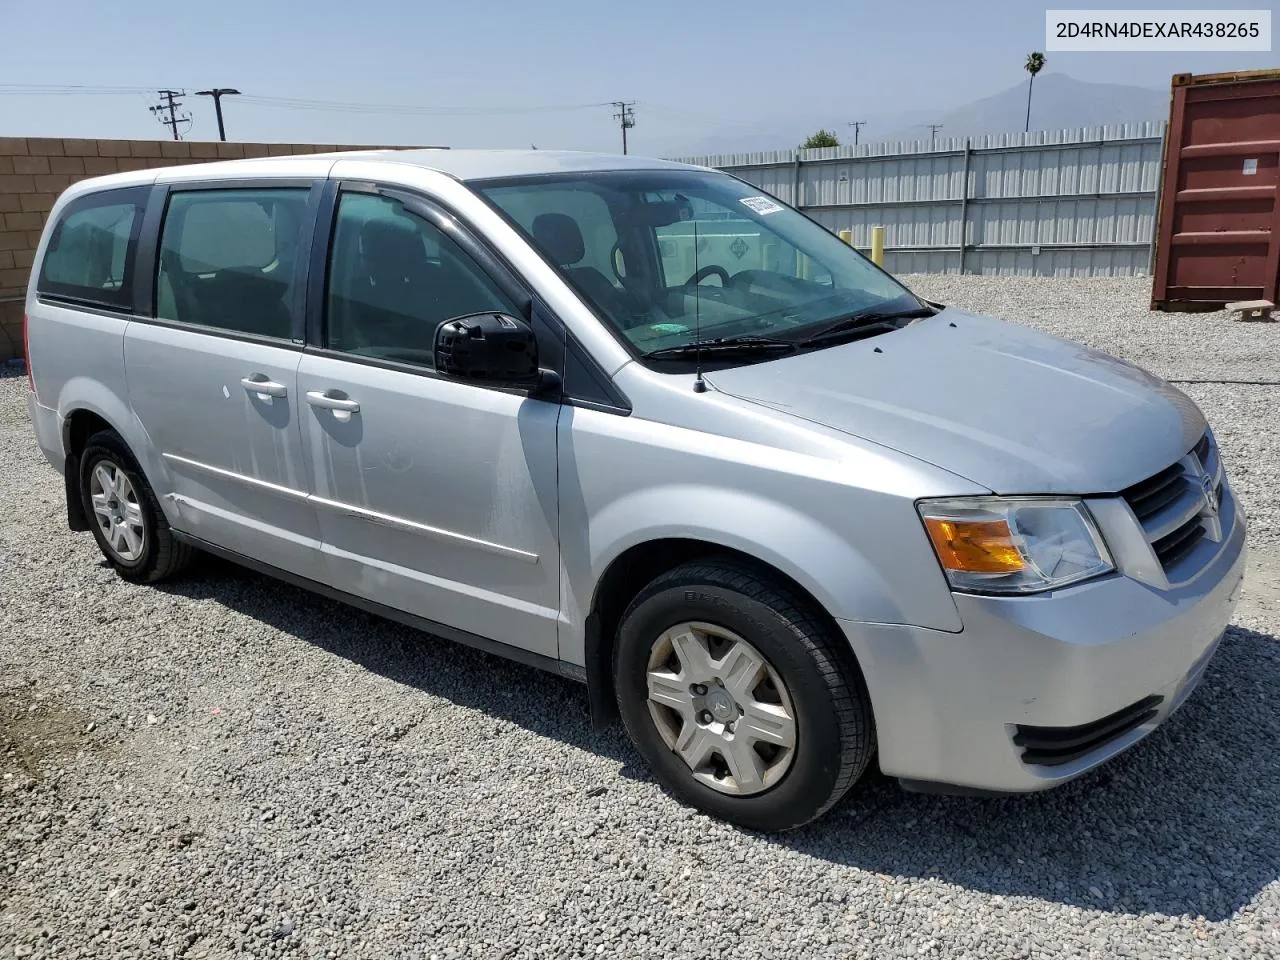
{"x": 691, "y": 650}
{"x": 766, "y": 723}
{"x": 103, "y": 476}
{"x": 670, "y": 691}
{"x": 133, "y": 515}
{"x": 695, "y": 744}
{"x": 745, "y": 765}
{"x": 132, "y": 538}
{"x": 123, "y": 489}
{"x": 100, "y": 504}
{"x": 741, "y": 668}
{"x": 115, "y": 537}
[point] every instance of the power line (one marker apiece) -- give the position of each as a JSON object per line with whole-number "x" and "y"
{"x": 218, "y": 93}
{"x": 302, "y": 103}
{"x": 626, "y": 116}
{"x": 169, "y": 104}
{"x": 722, "y": 121}
{"x": 347, "y": 106}
{"x": 857, "y": 125}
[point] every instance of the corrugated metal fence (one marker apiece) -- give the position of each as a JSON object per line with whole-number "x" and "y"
{"x": 1049, "y": 203}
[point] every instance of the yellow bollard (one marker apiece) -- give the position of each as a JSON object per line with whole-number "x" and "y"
{"x": 877, "y": 246}
{"x": 847, "y": 236}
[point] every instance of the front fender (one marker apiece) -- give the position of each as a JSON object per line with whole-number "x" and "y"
{"x": 782, "y": 536}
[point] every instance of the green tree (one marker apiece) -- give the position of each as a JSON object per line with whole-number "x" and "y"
{"x": 1035, "y": 63}
{"x": 823, "y": 138}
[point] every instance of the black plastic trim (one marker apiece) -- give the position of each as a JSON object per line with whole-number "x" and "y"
{"x": 318, "y": 264}
{"x": 598, "y": 392}
{"x": 241, "y": 183}
{"x": 222, "y": 332}
{"x": 937, "y": 788}
{"x": 444, "y": 631}
{"x": 76, "y": 518}
{"x": 1055, "y": 746}
{"x": 420, "y": 371}
{"x": 86, "y": 306}
{"x": 599, "y": 672}
{"x": 148, "y": 265}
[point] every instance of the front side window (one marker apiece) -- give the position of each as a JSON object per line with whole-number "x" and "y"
{"x": 394, "y": 278}
{"x": 228, "y": 259}
{"x": 689, "y": 255}
{"x": 89, "y": 251}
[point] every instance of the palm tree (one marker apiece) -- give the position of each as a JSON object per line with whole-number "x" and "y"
{"x": 1035, "y": 63}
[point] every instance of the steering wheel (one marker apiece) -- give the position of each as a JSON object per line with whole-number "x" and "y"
{"x": 703, "y": 272}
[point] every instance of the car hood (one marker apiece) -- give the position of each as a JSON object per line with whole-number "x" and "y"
{"x": 1009, "y": 408}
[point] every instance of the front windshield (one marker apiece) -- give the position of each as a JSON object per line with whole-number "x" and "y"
{"x": 670, "y": 257}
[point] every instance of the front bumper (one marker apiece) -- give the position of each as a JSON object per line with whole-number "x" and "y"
{"x": 948, "y": 705}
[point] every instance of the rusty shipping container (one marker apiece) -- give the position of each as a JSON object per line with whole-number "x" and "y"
{"x": 1218, "y": 225}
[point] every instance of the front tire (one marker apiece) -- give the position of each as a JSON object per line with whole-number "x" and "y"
{"x": 742, "y": 701}
{"x": 124, "y": 514}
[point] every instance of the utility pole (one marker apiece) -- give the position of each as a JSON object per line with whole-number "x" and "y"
{"x": 857, "y": 125}
{"x": 218, "y": 93}
{"x": 933, "y": 133}
{"x": 626, "y": 115}
{"x": 170, "y": 104}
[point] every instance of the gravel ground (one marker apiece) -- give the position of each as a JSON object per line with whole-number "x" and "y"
{"x": 229, "y": 767}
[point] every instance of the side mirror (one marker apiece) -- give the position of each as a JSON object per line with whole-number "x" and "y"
{"x": 489, "y": 348}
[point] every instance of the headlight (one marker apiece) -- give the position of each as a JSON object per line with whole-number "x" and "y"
{"x": 1006, "y": 545}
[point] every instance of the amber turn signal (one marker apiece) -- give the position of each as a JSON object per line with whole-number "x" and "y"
{"x": 974, "y": 546}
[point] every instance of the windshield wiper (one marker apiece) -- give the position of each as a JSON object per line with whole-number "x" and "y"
{"x": 722, "y": 346}
{"x": 864, "y": 318}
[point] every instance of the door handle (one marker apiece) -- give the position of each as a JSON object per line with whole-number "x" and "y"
{"x": 342, "y": 407}
{"x": 259, "y": 383}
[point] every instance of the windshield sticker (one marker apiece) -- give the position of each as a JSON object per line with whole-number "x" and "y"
{"x": 761, "y": 205}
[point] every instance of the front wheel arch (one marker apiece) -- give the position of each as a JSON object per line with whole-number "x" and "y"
{"x": 634, "y": 569}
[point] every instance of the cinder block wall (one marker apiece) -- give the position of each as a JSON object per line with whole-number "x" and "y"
{"x": 34, "y": 171}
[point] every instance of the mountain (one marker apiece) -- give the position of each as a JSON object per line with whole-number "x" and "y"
{"x": 1057, "y": 102}
{"x": 778, "y": 134}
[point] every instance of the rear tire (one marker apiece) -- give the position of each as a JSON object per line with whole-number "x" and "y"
{"x": 802, "y": 710}
{"x": 124, "y": 514}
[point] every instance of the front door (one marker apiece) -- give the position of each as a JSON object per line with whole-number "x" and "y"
{"x": 434, "y": 497}
{"x": 213, "y": 379}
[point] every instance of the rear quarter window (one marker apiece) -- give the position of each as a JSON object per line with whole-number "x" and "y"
{"x": 89, "y": 257}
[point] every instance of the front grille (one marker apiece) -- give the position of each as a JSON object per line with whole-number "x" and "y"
{"x": 1152, "y": 495}
{"x": 1054, "y": 746}
{"x": 1171, "y": 506}
{"x": 1172, "y": 547}
{"x": 1202, "y": 450}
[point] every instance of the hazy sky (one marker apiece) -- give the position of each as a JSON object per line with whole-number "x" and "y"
{"x": 694, "y": 66}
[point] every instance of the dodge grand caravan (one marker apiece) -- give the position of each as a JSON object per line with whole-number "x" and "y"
{"x": 640, "y": 424}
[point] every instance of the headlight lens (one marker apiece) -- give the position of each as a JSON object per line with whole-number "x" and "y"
{"x": 1006, "y": 545}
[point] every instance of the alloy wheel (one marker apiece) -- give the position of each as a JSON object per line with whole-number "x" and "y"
{"x": 117, "y": 511}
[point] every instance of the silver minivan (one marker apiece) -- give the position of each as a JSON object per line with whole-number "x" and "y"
{"x": 640, "y": 424}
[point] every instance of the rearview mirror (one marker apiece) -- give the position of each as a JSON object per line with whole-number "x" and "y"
{"x": 663, "y": 213}
{"x": 488, "y": 348}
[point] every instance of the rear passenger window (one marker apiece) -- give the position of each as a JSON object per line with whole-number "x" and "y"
{"x": 228, "y": 259}
{"x": 394, "y": 278}
{"x": 91, "y": 249}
